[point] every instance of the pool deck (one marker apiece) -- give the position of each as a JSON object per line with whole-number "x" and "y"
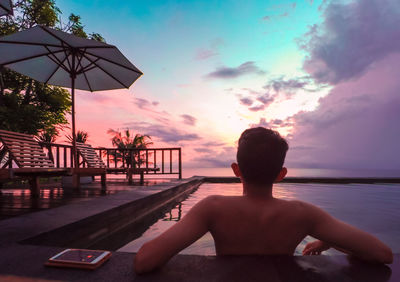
{"x": 27, "y": 241}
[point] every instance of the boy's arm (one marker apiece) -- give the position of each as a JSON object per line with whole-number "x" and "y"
{"x": 158, "y": 251}
{"x": 347, "y": 238}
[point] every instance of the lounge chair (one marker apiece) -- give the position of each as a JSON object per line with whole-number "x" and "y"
{"x": 92, "y": 160}
{"x": 27, "y": 154}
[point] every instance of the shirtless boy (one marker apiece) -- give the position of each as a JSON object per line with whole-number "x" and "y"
{"x": 256, "y": 223}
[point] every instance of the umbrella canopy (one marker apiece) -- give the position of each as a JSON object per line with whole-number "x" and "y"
{"x": 5, "y": 7}
{"x": 58, "y": 58}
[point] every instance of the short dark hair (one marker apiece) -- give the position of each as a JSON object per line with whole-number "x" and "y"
{"x": 261, "y": 154}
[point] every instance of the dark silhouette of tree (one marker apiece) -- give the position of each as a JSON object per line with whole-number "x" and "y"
{"x": 26, "y": 105}
{"x": 128, "y": 145}
{"x": 81, "y": 136}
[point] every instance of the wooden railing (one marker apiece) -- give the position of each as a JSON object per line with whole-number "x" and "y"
{"x": 168, "y": 160}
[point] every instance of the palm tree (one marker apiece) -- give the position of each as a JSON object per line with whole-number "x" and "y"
{"x": 48, "y": 136}
{"x": 125, "y": 143}
{"x": 81, "y": 136}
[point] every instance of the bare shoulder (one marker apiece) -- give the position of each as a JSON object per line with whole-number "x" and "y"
{"x": 214, "y": 204}
{"x": 296, "y": 204}
{"x": 306, "y": 208}
{"x": 212, "y": 201}
{"x": 207, "y": 202}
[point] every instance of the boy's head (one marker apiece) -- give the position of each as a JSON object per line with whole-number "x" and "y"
{"x": 260, "y": 156}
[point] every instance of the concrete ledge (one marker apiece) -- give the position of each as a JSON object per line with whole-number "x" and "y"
{"x": 27, "y": 262}
{"x": 91, "y": 231}
{"x": 88, "y": 221}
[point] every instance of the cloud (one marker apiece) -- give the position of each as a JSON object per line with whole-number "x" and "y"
{"x": 216, "y": 158}
{"x": 212, "y": 51}
{"x": 151, "y": 111}
{"x": 257, "y": 108}
{"x": 266, "y": 18}
{"x": 262, "y": 123}
{"x": 266, "y": 99}
{"x": 189, "y": 120}
{"x": 203, "y": 54}
{"x": 353, "y": 36}
{"x": 273, "y": 124}
{"x": 144, "y": 104}
{"x": 355, "y": 126}
{"x": 289, "y": 85}
{"x": 164, "y": 133}
{"x": 235, "y": 72}
{"x": 203, "y": 150}
{"x": 213, "y": 144}
{"x": 246, "y": 101}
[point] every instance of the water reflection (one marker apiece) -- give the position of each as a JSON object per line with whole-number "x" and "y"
{"x": 178, "y": 208}
{"x": 373, "y": 208}
{"x": 14, "y": 202}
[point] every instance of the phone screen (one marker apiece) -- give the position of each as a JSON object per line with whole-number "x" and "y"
{"x": 87, "y": 256}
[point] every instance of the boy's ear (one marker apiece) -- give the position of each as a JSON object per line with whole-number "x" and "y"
{"x": 236, "y": 170}
{"x": 281, "y": 175}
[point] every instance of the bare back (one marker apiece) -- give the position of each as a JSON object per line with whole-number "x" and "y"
{"x": 243, "y": 225}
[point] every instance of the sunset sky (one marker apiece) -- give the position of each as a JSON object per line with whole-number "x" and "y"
{"x": 325, "y": 74}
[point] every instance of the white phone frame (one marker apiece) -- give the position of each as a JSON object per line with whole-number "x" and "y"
{"x": 100, "y": 257}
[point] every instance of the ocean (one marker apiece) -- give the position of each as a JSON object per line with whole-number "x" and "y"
{"x": 298, "y": 172}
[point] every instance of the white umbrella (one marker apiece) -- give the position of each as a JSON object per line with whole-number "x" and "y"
{"x": 5, "y": 7}
{"x": 58, "y": 58}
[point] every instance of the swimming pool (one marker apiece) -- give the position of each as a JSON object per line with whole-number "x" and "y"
{"x": 373, "y": 208}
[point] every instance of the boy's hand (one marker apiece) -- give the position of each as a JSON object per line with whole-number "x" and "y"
{"x": 315, "y": 248}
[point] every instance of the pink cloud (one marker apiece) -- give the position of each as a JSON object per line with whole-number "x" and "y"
{"x": 355, "y": 126}
{"x": 351, "y": 38}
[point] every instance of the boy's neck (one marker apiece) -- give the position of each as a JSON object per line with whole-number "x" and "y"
{"x": 257, "y": 191}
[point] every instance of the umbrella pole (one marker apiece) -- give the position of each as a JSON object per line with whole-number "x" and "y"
{"x": 74, "y": 152}
{"x": 75, "y": 164}
{"x": 1, "y": 84}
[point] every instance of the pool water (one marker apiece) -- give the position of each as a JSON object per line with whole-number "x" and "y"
{"x": 372, "y": 208}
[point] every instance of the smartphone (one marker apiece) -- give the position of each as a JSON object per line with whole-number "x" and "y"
{"x": 79, "y": 258}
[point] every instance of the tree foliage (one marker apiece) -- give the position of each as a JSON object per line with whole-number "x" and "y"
{"x": 125, "y": 139}
{"x": 127, "y": 142}
{"x": 26, "y": 105}
{"x": 81, "y": 137}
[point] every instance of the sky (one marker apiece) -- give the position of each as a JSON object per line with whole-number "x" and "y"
{"x": 325, "y": 74}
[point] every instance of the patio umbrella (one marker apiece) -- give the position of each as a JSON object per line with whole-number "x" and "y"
{"x": 58, "y": 58}
{"x": 5, "y": 7}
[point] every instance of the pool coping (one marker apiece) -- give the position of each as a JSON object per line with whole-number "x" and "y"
{"x": 90, "y": 213}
